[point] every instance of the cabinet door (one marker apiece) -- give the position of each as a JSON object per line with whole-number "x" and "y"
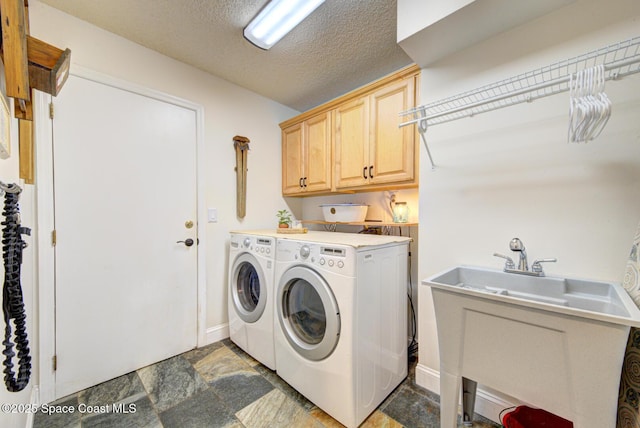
{"x": 317, "y": 153}
{"x": 392, "y": 149}
{"x": 292, "y": 159}
{"x": 352, "y": 143}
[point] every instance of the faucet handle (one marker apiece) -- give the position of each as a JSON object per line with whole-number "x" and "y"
{"x": 537, "y": 267}
{"x": 509, "y": 264}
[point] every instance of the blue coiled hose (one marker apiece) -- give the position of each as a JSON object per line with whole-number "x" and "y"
{"x": 12, "y": 300}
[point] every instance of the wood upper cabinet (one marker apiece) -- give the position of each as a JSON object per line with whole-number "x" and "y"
{"x": 306, "y": 156}
{"x": 370, "y": 148}
{"x": 353, "y": 143}
{"x": 292, "y": 158}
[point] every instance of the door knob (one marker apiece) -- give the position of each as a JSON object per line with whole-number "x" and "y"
{"x": 187, "y": 242}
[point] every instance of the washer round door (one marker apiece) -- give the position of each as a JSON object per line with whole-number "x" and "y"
{"x": 308, "y": 313}
{"x": 248, "y": 288}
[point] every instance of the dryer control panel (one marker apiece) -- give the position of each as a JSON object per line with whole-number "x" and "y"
{"x": 264, "y": 245}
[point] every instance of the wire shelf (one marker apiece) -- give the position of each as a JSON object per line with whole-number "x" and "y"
{"x": 619, "y": 60}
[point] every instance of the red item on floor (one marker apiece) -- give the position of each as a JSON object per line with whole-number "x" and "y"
{"x": 526, "y": 417}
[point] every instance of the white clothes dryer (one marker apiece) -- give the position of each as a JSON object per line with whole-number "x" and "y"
{"x": 251, "y": 294}
{"x": 341, "y": 320}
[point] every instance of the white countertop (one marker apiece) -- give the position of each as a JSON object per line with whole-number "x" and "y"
{"x": 356, "y": 240}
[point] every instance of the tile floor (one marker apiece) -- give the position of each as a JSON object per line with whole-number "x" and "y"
{"x": 221, "y": 386}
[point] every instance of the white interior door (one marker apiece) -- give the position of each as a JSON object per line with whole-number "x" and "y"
{"x": 125, "y": 186}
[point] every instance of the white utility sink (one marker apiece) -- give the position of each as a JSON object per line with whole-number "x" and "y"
{"x": 589, "y": 299}
{"x": 554, "y": 343}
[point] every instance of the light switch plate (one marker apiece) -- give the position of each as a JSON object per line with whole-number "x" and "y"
{"x": 212, "y": 215}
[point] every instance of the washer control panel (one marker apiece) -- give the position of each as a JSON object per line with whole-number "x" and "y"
{"x": 254, "y": 244}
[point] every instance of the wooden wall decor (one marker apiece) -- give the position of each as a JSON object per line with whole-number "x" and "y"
{"x": 241, "y": 144}
{"x": 14, "y": 48}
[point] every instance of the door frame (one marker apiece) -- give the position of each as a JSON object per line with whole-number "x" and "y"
{"x": 45, "y": 209}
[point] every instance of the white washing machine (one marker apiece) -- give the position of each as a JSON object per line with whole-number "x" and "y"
{"x": 341, "y": 319}
{"x": 251, "y": 294}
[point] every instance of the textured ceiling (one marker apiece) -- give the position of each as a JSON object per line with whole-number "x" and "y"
{"x": 344, "y": 44}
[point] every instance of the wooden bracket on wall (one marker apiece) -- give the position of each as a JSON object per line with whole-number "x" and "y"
{"x": 29, "y": 64}
{"x": 48, "y": 66}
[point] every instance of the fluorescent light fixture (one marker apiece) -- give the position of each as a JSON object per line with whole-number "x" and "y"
{"x": 276, "y": 19}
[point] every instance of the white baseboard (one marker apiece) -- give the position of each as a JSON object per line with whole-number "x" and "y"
{"x": 216, "y": 334}
{"x": 428, "y": 378}
{"x": 488, "y": 404}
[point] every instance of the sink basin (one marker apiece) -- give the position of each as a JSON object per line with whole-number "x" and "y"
{"x": 554, "y": 343}
{"x": 583, "y": 298}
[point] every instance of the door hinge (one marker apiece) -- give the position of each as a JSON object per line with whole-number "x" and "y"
{"x": 54, "y": 237}
{"x": 50, "y": 110}
{"x": 54, "y": 362}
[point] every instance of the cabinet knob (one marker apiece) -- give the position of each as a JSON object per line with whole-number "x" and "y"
{"x": 304, "y": 181}
{"x": 300, "y": 182}
{"x": 364, "y": 172}
{"x": 371, "y": 171}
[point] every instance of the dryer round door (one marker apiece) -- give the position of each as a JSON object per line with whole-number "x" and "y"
{"x": 308, "y": 313}
{"x": 248, "y": 288}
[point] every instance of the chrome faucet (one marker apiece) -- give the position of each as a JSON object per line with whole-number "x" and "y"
{"x": 523, "y": 266}
{"x": 517, "y": 245}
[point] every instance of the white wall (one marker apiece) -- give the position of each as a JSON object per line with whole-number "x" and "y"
{"x": 511, "y": 172}
{"x": 414, "y": 15}
{"x": 229, "y": 110}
